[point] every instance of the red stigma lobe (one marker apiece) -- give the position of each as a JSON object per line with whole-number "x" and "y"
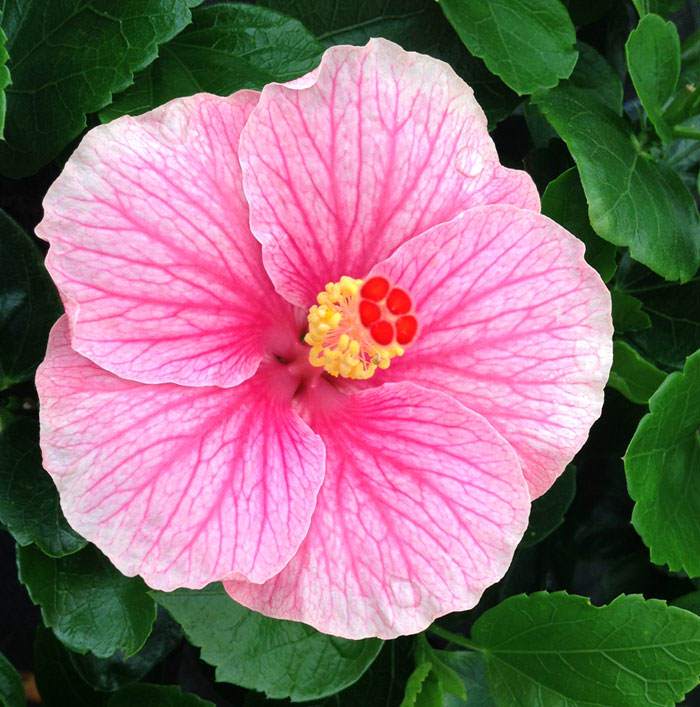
{"x": 382, "y": 332}
{"x": 398, "y": 302}
{"x": 406, "y": 328}
{"x": 375, "y": 289}
{"x": 369, "y": 312}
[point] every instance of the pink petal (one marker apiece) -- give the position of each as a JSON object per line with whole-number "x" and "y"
{"x": 180, "y": 485}
{"x": 370, "y": 149}
{"x": 151, "y": 248}
{"x": 514, "y": 324}
{"x": 421, "y": 509}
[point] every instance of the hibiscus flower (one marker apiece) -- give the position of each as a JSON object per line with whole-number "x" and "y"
{"x": 318, "y": 344}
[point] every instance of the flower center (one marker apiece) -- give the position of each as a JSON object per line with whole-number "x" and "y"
{"x": 357, "y": 327}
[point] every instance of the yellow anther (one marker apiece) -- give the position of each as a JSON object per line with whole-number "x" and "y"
{"x": 339, "y": 342}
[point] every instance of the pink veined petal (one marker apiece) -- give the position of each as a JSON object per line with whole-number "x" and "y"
{"x": 421, "y": 508}
{"x": 514, "y": 324}
{"x": 372, "y": 148}
{"x": 180, "y": 485}
{"x": 151, "y": 247}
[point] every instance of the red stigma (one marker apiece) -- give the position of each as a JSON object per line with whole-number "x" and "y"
{"x": 398, "y": 302}
{"x": 382, "y": 332}
{"x": 369, "y": 312}
{"x": 406, "y": 328}
{"x": 375, "y": 288}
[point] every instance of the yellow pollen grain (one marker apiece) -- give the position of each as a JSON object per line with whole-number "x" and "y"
{"x": 339, "y": 343}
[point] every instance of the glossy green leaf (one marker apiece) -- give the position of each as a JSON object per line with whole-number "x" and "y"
{"x": 661, "y": 7}
{"x": 632, "y": 200}
{"x": 674, "y": 311}
{"x": 654, "y": 61}
{"x": 89, "y": 605}
{"x": 689, "y": 602}
{"x": 11, "y": 690}
{"x": 557, "y": 650}
{"x": 155, "y": 696}
{"x": 632, "y": 375}
{"x": 382, "y": 683}
{"x": 432, "y": 679}
{"x": 564, "y": 202}
{"x": 280, "y": 658}
{"x": 471, "y": 668}
{"x": 528, "y": 43}
{"x": 417, "y": 685}
{"x": 417, "y": 25}
{"x": 548, "y": 511}
{"x": 690, "y": 58}
{"x": 117, "y": 671}
{"x": 226, "y": 48}
{"x": 541, "y": 132}
{"x": 628, "y": 313}
{"x": 66, "y": 60}
{"x": 29, "y": 506}
{"x": 594, "y": 75}
{"x": 662, "y": 464}
{"x": 29, "y": 304}
{"x": 349, "y": 21}
{"x": 5, "y": 81}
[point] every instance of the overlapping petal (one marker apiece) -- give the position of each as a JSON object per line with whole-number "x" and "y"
{"x": 182, "y": 485}
{"x": 151, "y": 248}
{"x": 514, "y": 324}
{"x": 421, "y": 510}
{"x": 371, "y": 149}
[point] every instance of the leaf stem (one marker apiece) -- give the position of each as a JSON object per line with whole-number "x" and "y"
{"x": 687, "y": 133}
{"x": 454, "y": 638}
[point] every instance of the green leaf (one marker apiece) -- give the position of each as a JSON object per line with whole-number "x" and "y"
{"x": 226, "y": 48}
{"x": 654, "y": 60}
{"x": 564, "y": 202}
{"x": 66, "y": 60}
{"x": 5, "y": 81}
{"x": 117, "y": 671}
{"x": 382, "y": 683}
{"x": 11, "y": 690}
{"x": 528, "y": 43}
{"x": 57, "y": 680}
{"x": 541, "y": 132}
{"x": 674, "y": 311}
{"x": 447, "y": 678}
{"x": 627, "y": 313}
{"x": 155, "y": 696}
{"x": 29, "y": 506}
{"x": 89, "y": 605}
{"x": 661, "y": 465}
{"x": 558, "y": 650}
{"x": 280, "y": 658}
{"x": 594, "y": 75}
{"x": 632, "y": 375}
{"x": 417, "y": 25}
{"x": 471, "y": 668}
{"x": 632, "y": 201}
{"x": 415, "y": 684}
{"x": 29, "y": 304}
{"x": 690, "y": 58}
{"x": 689, "y": 602}
{"x": 548, "y": 511}
{"x": 661, "y": 7}
{"x": 349, "y": 21}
